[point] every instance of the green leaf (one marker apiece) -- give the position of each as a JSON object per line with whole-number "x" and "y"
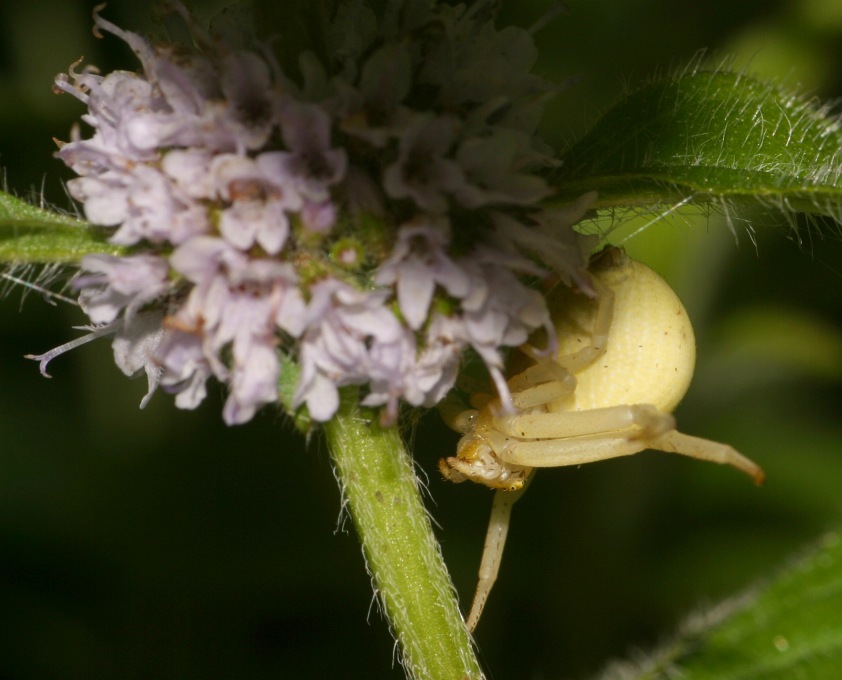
{"x": 709, "y": 137}
{"x": 789, "y": 628}
{"x": 29, "y": 234}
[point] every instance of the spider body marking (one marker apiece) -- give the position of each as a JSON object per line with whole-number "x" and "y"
{"x": 624, "y": 362}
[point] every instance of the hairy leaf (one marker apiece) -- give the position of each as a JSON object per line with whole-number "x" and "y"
{"x": 790, "y": 628}
{"x": 710, "y": 137}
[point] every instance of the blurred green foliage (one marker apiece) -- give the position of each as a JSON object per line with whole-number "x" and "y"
{"x": 160, "y": 544}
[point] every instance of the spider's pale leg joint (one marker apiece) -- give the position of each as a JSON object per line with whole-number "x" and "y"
{"x": 576, "y": 451}
{"x": 455, "y": 415}
{"x": 603, "y": 317}
{"x": 636, "y": 421}
{"x": 540, "y": 384}
{"x": 705, "y": 449}
{"x": 492, "y": 554}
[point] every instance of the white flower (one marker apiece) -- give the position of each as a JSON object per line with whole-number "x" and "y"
{"x": 185, "y": 368}
{"x": 342, "y": 343}
{"x": 246, "y": 84}
{"x": 237, "y": 305}
{"x": 311, "y": 163}
{"x": 260, "y": 198}
{"x": 434, "y": 371}
{"x": 422, "y": 171}
{"x": 493, "y": 167}
{"x": 368, "y": 223}
{"x": 551, "y": 239}
{"x": 120, "y": 285}
{"x": 134, "y": 348}
{"x": 374, "y": 109}
{"x": 418, "y": 263}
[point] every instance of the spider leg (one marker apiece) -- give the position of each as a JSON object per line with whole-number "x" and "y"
{"x": 540, "y": 384}
{"x": 603, "y": 316}
{"x": 641, "y": 421}
{"x": 563, "y": 452}
{"x": 455, "y": 414}
{"x": 575, "y": 444}
{"x": 492, "y": 553}
{"x": 705, "y": 449}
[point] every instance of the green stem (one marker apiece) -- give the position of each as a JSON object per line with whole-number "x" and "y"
{"x": 35, "y": 235}
{"x": 380, "y": 487}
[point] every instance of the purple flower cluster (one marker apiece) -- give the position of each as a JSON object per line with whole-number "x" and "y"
{"x": 370, "y": 223}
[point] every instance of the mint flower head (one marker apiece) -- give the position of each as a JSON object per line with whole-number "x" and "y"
{"x": 367, "y": 224}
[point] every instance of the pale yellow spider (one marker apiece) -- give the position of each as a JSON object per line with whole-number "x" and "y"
{"x": 625, "y": 359}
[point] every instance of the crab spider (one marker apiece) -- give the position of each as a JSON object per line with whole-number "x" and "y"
{"x": 625, "y": 359}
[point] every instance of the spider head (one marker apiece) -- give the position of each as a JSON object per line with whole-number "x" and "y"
{"x": 476, "y": 460}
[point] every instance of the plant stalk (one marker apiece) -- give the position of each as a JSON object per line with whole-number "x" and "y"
{"x": 381, "y": 491}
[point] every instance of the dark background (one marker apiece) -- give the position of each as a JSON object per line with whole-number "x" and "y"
{"x": 161, "y": 544}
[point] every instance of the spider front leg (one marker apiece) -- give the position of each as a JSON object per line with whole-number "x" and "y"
{"x": 575, "y": 438}
{"x": 492, "y": 552}
{"x": 476, "y": 458}
{"x": 705, "y": 449}
{"x": 545, "y": 380}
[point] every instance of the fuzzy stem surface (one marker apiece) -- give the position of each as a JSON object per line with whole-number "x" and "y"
{"x": 382, "y": 494}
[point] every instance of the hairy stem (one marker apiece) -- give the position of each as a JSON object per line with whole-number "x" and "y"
{"x": 382, "y": 494}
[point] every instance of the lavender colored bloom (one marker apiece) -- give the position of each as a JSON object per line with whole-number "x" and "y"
{"x": 114, "y": 101}
{"x": 397, "y": 369}
{"x": 246, "y": 84}
{"x": 422, "y": 171}
{"x": 143, "y": 202}
{"x": 500, "y": 311}
{"x": 369, "y": 223}
{"x": 188, "y": 169}
{"x": 493, "y": 168}
{"x": 434, "y": 371}
{"x": 238, "y": 304}
{"x": 134, "y": 348}
{"x": 311, "y": 163}
{"x": 418, "y": 263}
{"x": 345, "y": 333}
{"x": 389, "y": 375}
{"x": 185, "y": 368}
{"x": 374, "y": 110}
{"x": 318, "y": 217}
{"x": 259, "y": 201}
{"x": 552, "y": 239}
{"x": 120, "y": 285}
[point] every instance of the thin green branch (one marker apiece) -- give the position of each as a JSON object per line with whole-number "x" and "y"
{"x": 381, "y": 491}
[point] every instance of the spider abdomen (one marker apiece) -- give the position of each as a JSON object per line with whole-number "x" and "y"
{"x": 650, "y": 350}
